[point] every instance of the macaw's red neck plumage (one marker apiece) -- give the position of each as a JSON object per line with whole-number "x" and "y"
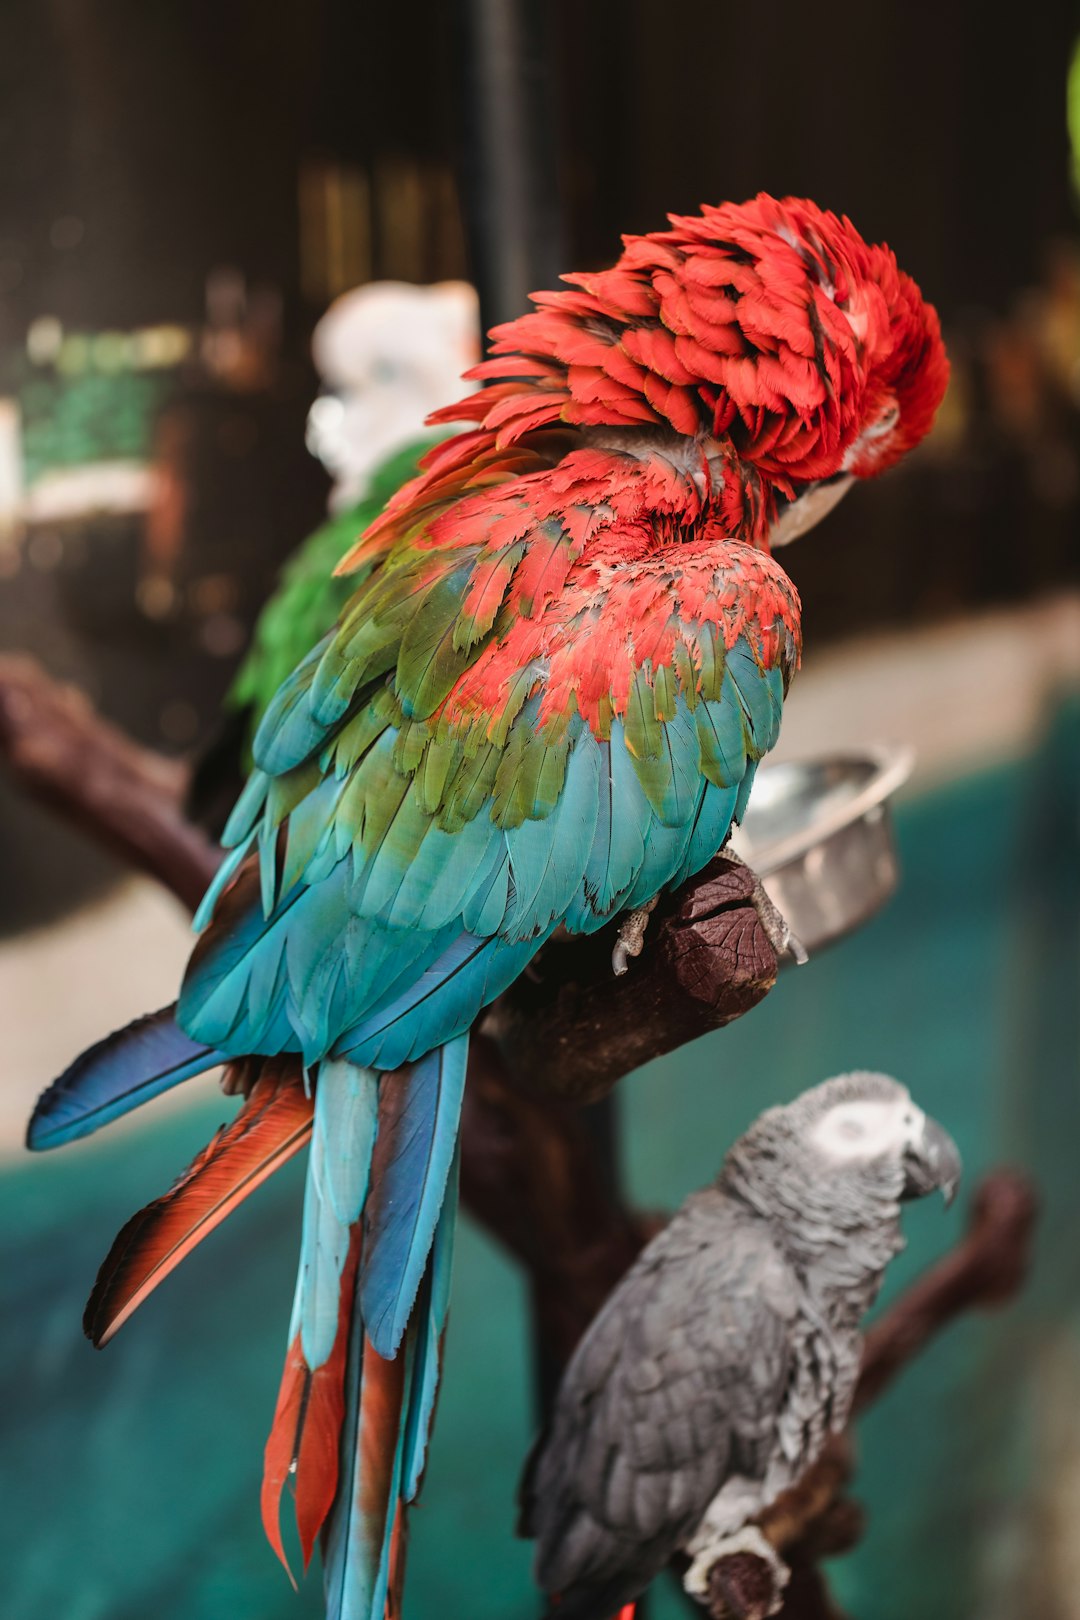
{"x": 770, "y": 323}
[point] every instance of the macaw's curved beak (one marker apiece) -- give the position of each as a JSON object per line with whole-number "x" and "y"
{"x": 932, "y": 1163}
{"x": 813, "y": 503}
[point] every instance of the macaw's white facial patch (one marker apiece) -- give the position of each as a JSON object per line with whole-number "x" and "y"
{"x": 867, "y": 1130}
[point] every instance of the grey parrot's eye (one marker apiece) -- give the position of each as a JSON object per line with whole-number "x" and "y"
{"x": 850, "y": 1130}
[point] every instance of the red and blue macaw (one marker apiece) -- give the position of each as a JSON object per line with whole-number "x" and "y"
{"x": 566, "y": 651}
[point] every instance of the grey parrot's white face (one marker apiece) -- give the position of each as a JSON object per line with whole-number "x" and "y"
{"x": 852, "y": 1132}
{"x": 854, "y": 1143}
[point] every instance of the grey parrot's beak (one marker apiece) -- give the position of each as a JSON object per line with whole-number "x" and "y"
{"x": 932, "y": 1163}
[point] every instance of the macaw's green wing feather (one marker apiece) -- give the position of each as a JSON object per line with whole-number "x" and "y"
{"x": 309, "y": 596}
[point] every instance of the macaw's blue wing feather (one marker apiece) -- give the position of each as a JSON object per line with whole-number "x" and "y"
{"x": 116, "y": 1075}
{"x": 549, "y": 857}
{"x": 760, "y": 694}
{"x": 716, "y": 811}
{"x": 722, "y": 736}
{"x": 666, "y": 755}
{"x": 439, "y": 1003}
{"x": 623, "y": 822}
{"x": 745, "y": 787}
{"x": 419, "y": 1111}
{"x": 435, "y": 887}
{"x": 289, "y": 732}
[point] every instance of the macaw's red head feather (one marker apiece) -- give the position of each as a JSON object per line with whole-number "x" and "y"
{"x": 906, "y": 380}
{"x": 771, "y": 323}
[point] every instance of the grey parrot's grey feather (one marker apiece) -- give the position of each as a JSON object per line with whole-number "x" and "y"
{"x": 711, "y": 1378}
{"x": 655, "y": 1408}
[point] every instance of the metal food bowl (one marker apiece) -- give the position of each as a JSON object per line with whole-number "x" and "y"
{"x": 819, "y": 835}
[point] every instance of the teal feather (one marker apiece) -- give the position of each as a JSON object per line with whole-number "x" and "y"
{"x": 289, "y": 733}
{"x": 419, "y": 1110}
{"x": 246, "y": 810}
{"x": 624, "y": 820}
{"x": 310, "y": 829}
{"x": 722, "y": 740}
{"x": 441, "y": 1002}
{"x": 760, "y": 693}
{"x": 716, "y": 810}
{"x": 672, "y": 778}
{"x": 548, "y": 858}
{"x": 745, "y": 787}
{"x": 116, "y": 1075}
{"x": 665, "y": 853}
{"x": 438, "y": 882}
{"x": 343, "y": 1137}
{"x": 356, "y": 1560}
{"x": 485, "y": 908}
{"x": 398, "y": 852}
{"x": 432, "y": 1307}
{"x": 221, "y": 880}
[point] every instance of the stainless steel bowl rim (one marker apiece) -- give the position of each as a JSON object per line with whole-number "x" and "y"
{"x": 892, "y": 766}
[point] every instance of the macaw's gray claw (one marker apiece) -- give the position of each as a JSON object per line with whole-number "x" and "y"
{"x": 630, "y": 940}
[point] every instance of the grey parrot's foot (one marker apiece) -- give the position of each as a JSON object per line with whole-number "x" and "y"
{"x": 772, "y": 918}
{"x": 631, "y": 936}
{"x": 741, "y": 1574}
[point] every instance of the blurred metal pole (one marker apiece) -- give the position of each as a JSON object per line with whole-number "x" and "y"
{"x": 514, "y": 231}
{"x": 510, "y": 159}
{"x": 512, "y": 203}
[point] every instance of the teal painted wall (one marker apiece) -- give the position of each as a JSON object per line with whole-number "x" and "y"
{"x": 130, "y": 1478}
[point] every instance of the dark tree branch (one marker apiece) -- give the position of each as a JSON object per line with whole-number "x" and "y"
{"x": 528, "y": 1172}
{"x": 126, "y": 797}
{"x": 570, "y": 1027}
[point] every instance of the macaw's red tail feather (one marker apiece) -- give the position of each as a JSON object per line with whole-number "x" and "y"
{"x": 364, "y": 1542}
{"x": 381, "y": 1397}
{"x": 281, "y": 1446}
{"x": 306, "y": 1432}
{"x": 396, "y": 1586}
{"x": 273, "y": 1124}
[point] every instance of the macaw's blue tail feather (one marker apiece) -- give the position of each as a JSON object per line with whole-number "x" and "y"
{"x": 432, "y": 1306}
{"x": 115, "y": 1076}
{"x": 346, "y": 1109}
{"x": 419, "y": 1113}
{"x": 351, "y": 1424}
{"x": 384, "y": 1444}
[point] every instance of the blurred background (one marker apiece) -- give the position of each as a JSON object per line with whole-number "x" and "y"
{"x": 185, "y": 193}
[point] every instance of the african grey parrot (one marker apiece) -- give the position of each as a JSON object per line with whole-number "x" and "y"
{"x": 711, "y": 1378}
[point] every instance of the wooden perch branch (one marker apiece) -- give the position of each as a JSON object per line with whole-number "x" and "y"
{"x": 126, "y": 797}
{"x": 569, "y": 1027}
